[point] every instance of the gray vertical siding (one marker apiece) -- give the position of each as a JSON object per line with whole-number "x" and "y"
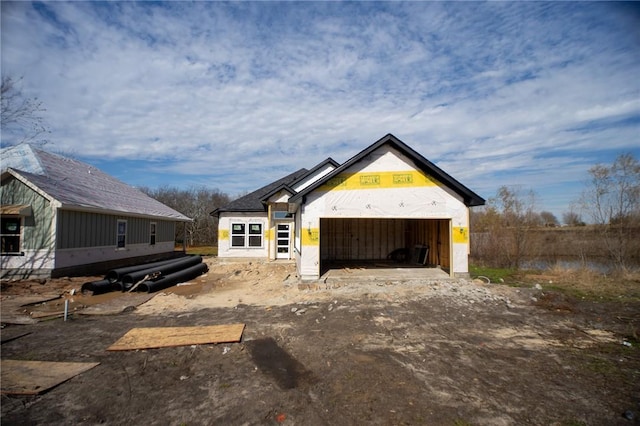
{"x": 83, "y": 229}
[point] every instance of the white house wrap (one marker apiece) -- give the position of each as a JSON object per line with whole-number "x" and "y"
{"x": 387, "y": 202}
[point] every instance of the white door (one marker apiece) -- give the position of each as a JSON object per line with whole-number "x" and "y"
{"x": 282, "y": 241}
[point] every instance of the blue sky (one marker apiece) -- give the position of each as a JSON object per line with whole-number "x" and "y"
{"x": 235, "y": 95}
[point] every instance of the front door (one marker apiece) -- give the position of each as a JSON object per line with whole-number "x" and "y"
{"x": 282, "y": 241}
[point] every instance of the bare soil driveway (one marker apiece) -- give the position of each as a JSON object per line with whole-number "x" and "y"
{"x": 382, "y": 352}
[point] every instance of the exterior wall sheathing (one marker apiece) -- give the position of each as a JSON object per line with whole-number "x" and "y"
{"x": 224, "y": 235}
{"x": 389, "y": 186}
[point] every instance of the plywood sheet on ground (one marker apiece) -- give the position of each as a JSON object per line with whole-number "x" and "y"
{"x": 34, "y": 377}
{"x": 162, "y": 337}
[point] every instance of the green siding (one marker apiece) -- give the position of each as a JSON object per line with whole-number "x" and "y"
{"x": 36, "y": 228}
{"x": 82, "y": 229}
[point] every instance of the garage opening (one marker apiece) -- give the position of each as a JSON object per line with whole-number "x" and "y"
{"x": 384, "y": 243}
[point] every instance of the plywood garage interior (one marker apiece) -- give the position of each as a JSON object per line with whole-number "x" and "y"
{"x": 358, "y": 240}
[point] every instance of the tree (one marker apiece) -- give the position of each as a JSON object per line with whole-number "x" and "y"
{"x": 518, "y": 215}
{"x": 21, "y": 117}
{"x": 572, "y": 218}
{"x": 195, "y": 203}
{"x": 548, "y": 218}
{"x": 612, "y": 200}
{"x": 501, "y": 227}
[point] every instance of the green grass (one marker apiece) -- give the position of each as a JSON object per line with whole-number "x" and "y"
{"x": 201, "y": 251}
{"x": 496, "y": 275}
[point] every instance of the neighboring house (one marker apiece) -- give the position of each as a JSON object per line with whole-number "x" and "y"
{"x": 63, "y": 217}
{"x": 387, "y": 202}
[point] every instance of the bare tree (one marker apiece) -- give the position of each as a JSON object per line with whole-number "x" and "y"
{"x": 571, "y": 218}
{"x": 195, "y": 203}
{"x": 612, "y": 200}
{"x": 548, "y": 218}
{"x": 501, "y": 227}
{"x": 21, "y": 117}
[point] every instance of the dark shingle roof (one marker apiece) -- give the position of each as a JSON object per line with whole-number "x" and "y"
{"x": 79, "y": 185}
{"x": 252, "y": 202}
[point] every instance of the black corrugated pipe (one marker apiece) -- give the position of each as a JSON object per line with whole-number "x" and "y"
{"x": 116, "y": 274}
{"x": 97, "y": 287}
{"x": 131, "y": 278}
{"x": 175, "y": 278}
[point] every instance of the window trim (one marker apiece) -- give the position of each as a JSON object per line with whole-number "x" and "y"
{"x": 120, "y": 234}
{"x": 247, "y": 235}
{"x": 18, "y": 235}
{"x": 153, "y": 232}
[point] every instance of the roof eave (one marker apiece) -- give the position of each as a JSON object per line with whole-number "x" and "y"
{"x": 92, "y": 209}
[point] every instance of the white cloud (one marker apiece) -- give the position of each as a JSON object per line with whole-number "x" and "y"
{"x": 247, "y": 92}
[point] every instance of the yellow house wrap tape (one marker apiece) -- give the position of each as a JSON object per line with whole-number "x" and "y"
{"x": 460, "y": 235}
{"x": 310, "y": 237}
{"x": 399, "y": 179}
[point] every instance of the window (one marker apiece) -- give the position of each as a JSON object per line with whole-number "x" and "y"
{"x": 241, "y": 238}
{"x": 237, "y": 235}
{"x": 255, "y": 235}
{"x": 152, "y": 234}
{"x": 10, "y": 234}
{"x": 279, "y": 214}
{"x": 122, "y": 234}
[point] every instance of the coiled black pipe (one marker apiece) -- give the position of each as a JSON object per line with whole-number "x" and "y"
{"x": 116, "y": 274}
{"x": 131, "y": 278}
{"x": 173, "y": 279}
{"x": 97, "y": 287}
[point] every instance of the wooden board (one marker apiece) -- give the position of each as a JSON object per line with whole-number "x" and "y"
{"x": 162, "y": 337}
{"x": 34, "y": 377}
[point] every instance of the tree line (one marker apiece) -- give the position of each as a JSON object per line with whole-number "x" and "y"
{"x": 506, "y": 231}
{"x": 196, "y": 203}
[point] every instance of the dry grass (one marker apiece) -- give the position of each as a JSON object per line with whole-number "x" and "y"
{"x": 584, "y": 282}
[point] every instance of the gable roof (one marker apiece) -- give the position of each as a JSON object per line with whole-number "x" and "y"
{"x": 77, "y": 185}
{"x": 469, "y": 197}
{"x": 255, "y": 201}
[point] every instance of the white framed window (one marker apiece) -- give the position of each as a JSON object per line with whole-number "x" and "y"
{"x": 246, "y": 234}
{"x": 281, "y": 214}
{"x": 121, "y": 241}
{"x": 152, "y": 233}
{"x": 255, "y": 235}
{"x": 238, "y": 233}
{"x": 10, "y": 233}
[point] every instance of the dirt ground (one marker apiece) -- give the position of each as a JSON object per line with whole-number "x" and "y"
{"x": 449, "y": 352}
